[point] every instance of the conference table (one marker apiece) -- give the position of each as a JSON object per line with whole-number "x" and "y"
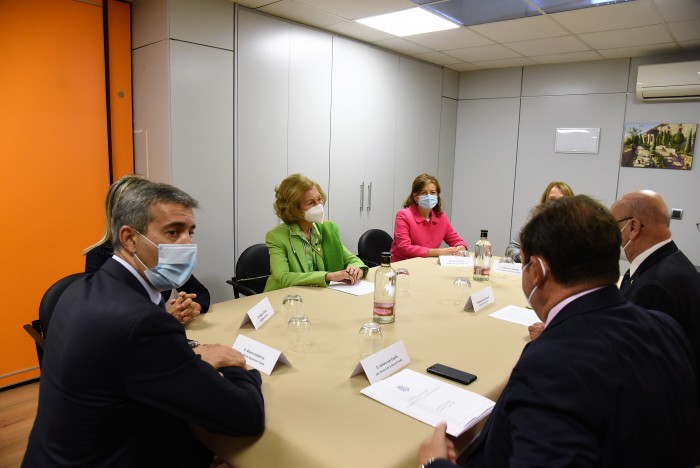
{"x": 315, "y": 413}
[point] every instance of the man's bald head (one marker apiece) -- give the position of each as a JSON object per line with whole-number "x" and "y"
{"x": 645, "y": 217}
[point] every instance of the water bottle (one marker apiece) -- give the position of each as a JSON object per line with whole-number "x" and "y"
{"x": 482, "y": 257}
{"x": 384, "y": 291}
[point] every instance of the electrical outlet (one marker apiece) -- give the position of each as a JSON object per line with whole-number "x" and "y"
{"x": 676, "y": 213}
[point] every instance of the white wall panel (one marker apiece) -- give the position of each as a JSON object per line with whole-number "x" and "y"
{"x": 309, "y": 129}
{"x": 485, "y": 159}
{"x": 418, "y": 132}
{"x": 206, "y": 22}
{"x": 496, "y": 83}
{"x": 605, "y": 76}
{"x": 446, "y": 162}
{"x": 202, "y": 153}
{"x": 151, "y": 76}
{"x": 261, "y": 123}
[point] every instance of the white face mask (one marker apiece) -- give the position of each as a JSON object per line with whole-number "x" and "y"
{"x": 623, "y": 254}
{"x": 175, "y": 265}
{"x": 314, "y": 214}
{"x": 532, "y": 293}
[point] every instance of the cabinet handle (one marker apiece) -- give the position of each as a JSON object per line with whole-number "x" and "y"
{"x": 362, "y": 196}
{"x": 369, "y": 196}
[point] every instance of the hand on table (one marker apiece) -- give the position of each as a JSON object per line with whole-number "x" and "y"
{"x": 437, "y": 446}
{"x": 535, "y": 330}
{"x": 349, "y": 275}
{"x": 220, "y": 356}
{"x": 184, "y": 308}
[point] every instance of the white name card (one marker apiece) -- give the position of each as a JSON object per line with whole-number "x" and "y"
{"x": 455, "y": 260}
{"x": 508, "y": 268}
{"x": 259, "y": 314}
{"x": 259, "y": 356}
{"x": 382, "y": 364}
{"x": 480, "y": 299}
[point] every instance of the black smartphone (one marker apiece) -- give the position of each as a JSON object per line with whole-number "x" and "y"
{"x": 451, "y": 373}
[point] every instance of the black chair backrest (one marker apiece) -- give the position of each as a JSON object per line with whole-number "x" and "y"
{"x": 371, "y": 245}
{"x": 51, "y": 297}
{"x": 252, "y": 270}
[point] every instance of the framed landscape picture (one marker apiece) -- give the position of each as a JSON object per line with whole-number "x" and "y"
{"x": 659, "y": 145}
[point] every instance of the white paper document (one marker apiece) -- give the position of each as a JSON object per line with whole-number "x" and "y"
{"x": 430, "y": 400}
{"x": 358, "y": 289}
{"x": 516, "y": 314}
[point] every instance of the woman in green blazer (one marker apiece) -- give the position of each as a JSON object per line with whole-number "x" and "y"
{"x": 305, "y": 250}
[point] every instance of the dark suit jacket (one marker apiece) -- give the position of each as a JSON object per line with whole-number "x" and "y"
{"x": 607, "y": 384}
{"x": 669, "y": 282}
{"x": 96, "y": 257}
{"x": 120, "y": 386}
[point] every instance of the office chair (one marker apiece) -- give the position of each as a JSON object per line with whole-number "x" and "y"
{"x": 38, "y": 329}
{"x": 252, "y": 271}
{"x": 371, "y": 245}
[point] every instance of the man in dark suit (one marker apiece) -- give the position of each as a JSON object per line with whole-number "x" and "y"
{"x": 607, "y": 384}
{"x": 660, "y": 277}
{"x": 120, "y": 386}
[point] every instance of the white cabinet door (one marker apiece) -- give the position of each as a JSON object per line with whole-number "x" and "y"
{"x": 418, "y": 127}
{"x": 309, "y": 126}
{"x": 262, "y": 93}
{"x": 347, "y": 199}
{"x": 382, "y": 95}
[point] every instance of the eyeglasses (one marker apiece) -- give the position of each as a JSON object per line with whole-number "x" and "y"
{"x": 630, "y": 217}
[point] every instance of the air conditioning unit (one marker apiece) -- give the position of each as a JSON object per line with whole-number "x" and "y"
{"x": 669, "y": 82}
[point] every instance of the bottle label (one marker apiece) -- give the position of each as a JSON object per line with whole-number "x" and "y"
{"x": 383, "y": 309}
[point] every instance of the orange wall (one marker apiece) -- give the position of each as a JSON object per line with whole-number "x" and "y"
{"x": 53, "y": 154}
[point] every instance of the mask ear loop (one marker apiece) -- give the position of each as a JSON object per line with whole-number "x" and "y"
{"x": 544, "y": 273}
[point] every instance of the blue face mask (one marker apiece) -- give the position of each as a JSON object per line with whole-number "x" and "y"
{"x": 175, "y": 265}
{"x": 427, "y": 202}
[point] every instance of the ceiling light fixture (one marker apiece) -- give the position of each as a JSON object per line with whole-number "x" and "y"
{"x": 408, "y": 22}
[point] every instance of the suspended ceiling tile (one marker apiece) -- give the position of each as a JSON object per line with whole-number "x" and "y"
{"x": 608, "y": 17}
{"x": 631, "y": 37}
{"x": 677, "y": 10}
{"x": 537, "y": 27}
{"x": 685, "y": 30}
{"x": 301, "y": 13}
{"x": 625, "y": 52}
{"x": 505, "y": 63}
{"x": 492, "y": 52}
{"x": 549, "y": 46}
{"x": 354, "y": 9}
{"x": 450, "y": 39}
{"x": 359, "y": 31}
{"x": 403, "y": 46}
{"x": 585, "y": 56}
{"x": 438, "y": 58}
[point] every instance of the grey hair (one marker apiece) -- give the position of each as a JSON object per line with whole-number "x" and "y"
{"x": 134, "y": 206}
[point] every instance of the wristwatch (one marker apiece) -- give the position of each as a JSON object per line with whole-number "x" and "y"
{"x": 193, "y": 343}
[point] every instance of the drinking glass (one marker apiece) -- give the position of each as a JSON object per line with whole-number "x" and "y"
{"x": 403, "y": 282}
{"x": 292, "y": 305}
{"x": 370, "y": 339}
{"x": 299, "y": 333}
{"x": 461, "y": 288}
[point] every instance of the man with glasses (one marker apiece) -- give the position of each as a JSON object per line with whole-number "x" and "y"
{"x": 607, "y": 384}
{"x": 660, "y": 276}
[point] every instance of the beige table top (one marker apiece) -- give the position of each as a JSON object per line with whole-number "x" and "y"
{"x": 315, "y": 413}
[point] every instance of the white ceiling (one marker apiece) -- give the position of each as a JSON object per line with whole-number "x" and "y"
{"x": 632, "y": 29}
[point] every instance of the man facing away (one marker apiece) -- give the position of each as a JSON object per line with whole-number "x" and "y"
{"x": 119, "y": 384}
{"x": 607, "y": 384}
{"x": 660, "y": 276}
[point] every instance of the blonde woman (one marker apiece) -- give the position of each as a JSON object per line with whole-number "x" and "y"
{"x": 305, "y": 250}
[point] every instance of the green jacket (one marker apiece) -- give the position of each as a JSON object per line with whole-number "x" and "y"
{"x": 288, "y": 266}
